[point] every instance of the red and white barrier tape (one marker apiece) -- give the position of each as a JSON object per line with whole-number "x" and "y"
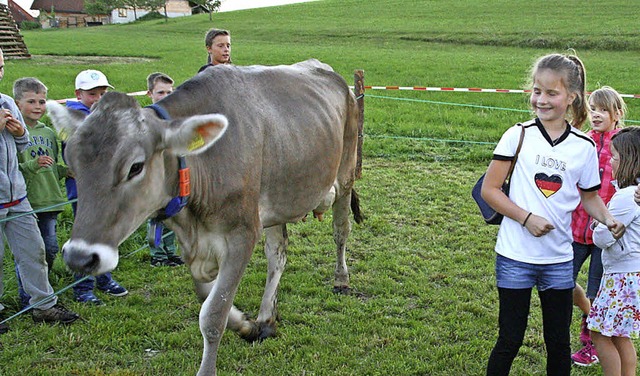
{"x": 134, "y": 94}
{"x": 465, "y": 89}
{"x": 417, "y": 88}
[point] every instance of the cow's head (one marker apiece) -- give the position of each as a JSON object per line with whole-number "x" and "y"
{"x": 118, "y": 156}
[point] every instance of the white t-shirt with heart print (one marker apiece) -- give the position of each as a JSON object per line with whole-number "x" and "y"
{"x": 545, "y": 181}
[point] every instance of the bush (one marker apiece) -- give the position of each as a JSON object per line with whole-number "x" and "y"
{"x": 151, "y": 16}
{"x": 30, "y": 25}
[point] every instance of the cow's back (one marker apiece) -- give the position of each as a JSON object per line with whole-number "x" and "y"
{"x": 284, "y": 142}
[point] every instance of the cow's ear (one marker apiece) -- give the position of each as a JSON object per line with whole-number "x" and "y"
{"x": 64, "y": 120}
{"x": 196, "y": 133}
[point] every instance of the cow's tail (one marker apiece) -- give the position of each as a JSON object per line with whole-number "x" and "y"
{"x": 355, "y": 207}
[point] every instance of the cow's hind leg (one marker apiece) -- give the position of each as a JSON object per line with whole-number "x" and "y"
{"x": 275, "y": 250}
{"x": 341, "y": 230}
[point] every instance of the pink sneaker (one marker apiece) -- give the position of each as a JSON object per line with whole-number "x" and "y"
{"x": 586, "y": 356}
{"x": 585, "y": 334}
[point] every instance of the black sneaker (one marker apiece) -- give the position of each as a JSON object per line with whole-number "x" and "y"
{"x": 176, "y": 260}
{"x": 89, "y": 297}
{"x": 159, "y": 262}
{"x": 113, "y": 288}
{"x": 55, "y": 314}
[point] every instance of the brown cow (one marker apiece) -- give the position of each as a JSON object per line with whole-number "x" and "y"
{"x": 264, "y": 145}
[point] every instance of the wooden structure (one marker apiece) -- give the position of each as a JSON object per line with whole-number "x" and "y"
{"x": 67, "y": 13}
{"x": 11, "y": 41}
{"x": 358, "y": 90}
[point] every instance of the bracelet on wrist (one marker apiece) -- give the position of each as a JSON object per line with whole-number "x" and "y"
{"x": 526, "y": 219}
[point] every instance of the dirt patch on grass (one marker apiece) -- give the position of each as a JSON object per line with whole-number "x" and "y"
{"x": 88, "y": 60}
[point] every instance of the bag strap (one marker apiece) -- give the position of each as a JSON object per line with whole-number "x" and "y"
{"x": 515, "y": 157}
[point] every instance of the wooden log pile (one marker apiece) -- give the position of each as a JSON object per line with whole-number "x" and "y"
{"x": 11, "y": 40}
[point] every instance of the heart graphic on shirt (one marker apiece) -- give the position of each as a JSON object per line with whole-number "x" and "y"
{"x": 548, "y": 185}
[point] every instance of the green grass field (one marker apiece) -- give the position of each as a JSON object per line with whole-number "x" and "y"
{"x": 421, "y": 265}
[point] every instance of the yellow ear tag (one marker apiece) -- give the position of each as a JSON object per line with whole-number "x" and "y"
{"x": 196, "y": 143}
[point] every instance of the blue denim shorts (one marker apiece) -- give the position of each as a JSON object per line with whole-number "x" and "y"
{"x": 511, "y": 274}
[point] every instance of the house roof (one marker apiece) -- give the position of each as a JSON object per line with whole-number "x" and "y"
{"x": 18, "y": 13}
{"x": 63, "y": 6}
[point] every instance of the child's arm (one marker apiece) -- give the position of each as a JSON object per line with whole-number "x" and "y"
{"x": 621, "y": 207}
{"x": 63, "y": 171}
{"x": 594, "y": 206}
{"x": 28, "y": 167}
{"x": 493, "y": 195}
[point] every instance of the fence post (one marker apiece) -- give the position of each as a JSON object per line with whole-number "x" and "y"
{"x": 359, "y": 92}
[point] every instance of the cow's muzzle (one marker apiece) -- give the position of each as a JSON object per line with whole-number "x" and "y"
{"x": 85, "y": 258}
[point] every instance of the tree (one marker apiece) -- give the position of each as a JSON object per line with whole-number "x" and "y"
{"x": 94, "y": 7}
{"x": 210, "y": 6}
{"x": 155, "y": 5}
{"x": 133, "y": 4}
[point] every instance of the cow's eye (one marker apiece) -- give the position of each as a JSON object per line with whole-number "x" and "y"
{"x": 135, "y": 170}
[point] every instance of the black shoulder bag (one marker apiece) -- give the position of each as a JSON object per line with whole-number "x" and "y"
{"x": 490, "y": 216}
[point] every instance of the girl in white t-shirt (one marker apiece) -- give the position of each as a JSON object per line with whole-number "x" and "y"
{"x": 615, "y": 314}
{"x": 557, "y": 168}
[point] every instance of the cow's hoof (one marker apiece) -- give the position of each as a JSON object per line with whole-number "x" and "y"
{"x": 251, "y": 333}
{"x": 266, "y": 331}
{"x": 342, "y": 290}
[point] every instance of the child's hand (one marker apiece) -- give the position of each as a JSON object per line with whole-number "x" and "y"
{"x": 45, "y": 161}
{"x": 538, "y": 226}
{"x": 14, "y": 126}
{"x": 617, "y": 228}
{"x": 5, "y": 115}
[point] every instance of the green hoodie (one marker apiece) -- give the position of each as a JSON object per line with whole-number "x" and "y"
{"x": 43, "y": 183}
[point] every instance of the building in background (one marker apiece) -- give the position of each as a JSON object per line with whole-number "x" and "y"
{"x": 66, "y": 13}
{"x": 19, "y": 14}
{"x": 72, "y": 13}
{"x": 174, "y": 8}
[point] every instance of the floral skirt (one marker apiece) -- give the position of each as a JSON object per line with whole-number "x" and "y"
{"x": 615, "y": 312}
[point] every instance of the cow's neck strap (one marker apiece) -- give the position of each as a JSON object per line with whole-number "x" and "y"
{"x": 176, "y": 203}
{"x": 160, "y": 111}
{"x": 180, "y": 201}
{"x": 174, "y": 206}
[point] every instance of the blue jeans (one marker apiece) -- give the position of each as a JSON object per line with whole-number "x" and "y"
{"x": 580, "y": 254}
{"x": 511, "y": 274}
{"x": 48, "y": 223}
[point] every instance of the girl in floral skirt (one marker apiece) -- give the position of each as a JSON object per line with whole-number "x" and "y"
{"x": 614, "y": 319}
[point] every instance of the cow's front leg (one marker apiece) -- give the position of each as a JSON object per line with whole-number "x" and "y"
{"x": 232, "y": 261}
{"x": 341, "y": 230}
{"x": 275, "y": 250}
{"x": 237, "y": 320}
